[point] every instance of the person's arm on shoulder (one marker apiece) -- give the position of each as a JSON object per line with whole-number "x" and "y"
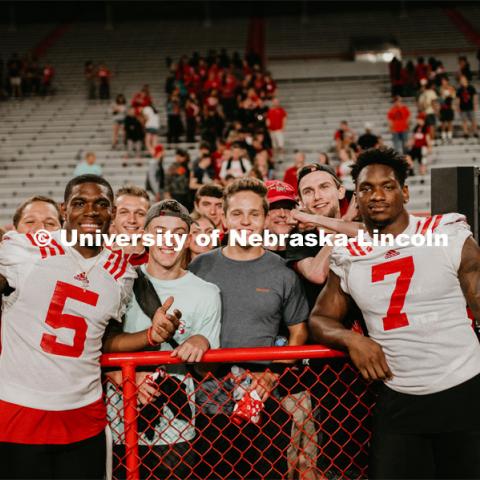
{"x": 327, "y": 329}
{"x": 333, "y": 224}
{"x": 163, "y": 327}
{"x": 315, "y": 269}
{"x": 469, "y": 276}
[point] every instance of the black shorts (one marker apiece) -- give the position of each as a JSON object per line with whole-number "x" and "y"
{"x": 416, "y": 154}
{"x": 79, "y": 460}
{"x": 427, "y": 436}
{"x": 446, "y": 115}
{"x": 430, "y": 120}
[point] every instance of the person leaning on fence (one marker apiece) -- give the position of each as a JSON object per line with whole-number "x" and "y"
{"x": 259, "y": 293}
{"x": 57, "y": 305}
{"x": 167, "y": 409}
{"x": 302, "y": 453}
{"x": 421, "y": 342}
{"x": 320, "y": 192}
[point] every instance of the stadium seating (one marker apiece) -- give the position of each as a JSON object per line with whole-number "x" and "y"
{"x": 41, "y": 139}
{"x": 329, "y": 34}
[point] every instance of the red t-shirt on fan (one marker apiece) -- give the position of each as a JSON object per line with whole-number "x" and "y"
{"x": 276, "y": 118}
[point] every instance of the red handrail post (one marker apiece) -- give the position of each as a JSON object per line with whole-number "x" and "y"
{"x": 130, "y": 420}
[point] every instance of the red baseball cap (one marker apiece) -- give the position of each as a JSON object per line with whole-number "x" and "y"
{"x": 278, "y": 191}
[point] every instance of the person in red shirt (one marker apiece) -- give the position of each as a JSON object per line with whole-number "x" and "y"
{"x": 422, "y": 70}
{"x": 48, "y": 74}
{"x": 270, "y": 86}
{"x": 290, "y": 175}
{"x": 141, "y": 99}
{"x": 276, "y": 119}
{"x": 104, "y": 76}
{"x": 421, "y": 144}
{"x": 399, "y": 116}
{"x": 212, "y": 83}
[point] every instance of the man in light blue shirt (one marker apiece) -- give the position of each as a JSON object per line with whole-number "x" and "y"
{"x": 166, "y": 435}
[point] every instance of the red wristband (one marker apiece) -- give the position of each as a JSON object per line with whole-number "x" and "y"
{"x": 149, "y": 338}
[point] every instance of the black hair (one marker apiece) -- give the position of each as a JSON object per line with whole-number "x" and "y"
{"x": 87, "y": 178}
{"x": 382, "y": 156}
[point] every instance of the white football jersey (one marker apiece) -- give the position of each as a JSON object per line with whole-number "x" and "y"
{"x": 413, "y": 305}
{"x": 54, "y": 321}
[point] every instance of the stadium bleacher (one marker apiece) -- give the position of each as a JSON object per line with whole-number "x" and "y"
{"x": 42, "y": 139}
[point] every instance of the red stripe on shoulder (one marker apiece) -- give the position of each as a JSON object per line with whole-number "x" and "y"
{"x": 123, "y": 268}
{"x": 351, "y": 250}
{"x": 437, "y": 222}
{"x": 109, "y": 261}
{"x": 359, "y": 249}
{"x": 419, "y": 224}
{"x": 116, "y": 265}
{"x": 59, "y": 248}
{"x": 43, "y": 251}
{"x": 426, "y": 225}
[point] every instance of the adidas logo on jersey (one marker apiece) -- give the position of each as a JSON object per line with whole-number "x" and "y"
{"x": 81, "y": 277}
{"x": 392, "y": 253}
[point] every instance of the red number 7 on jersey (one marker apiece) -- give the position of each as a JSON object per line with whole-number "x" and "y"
{"x": 395, "y": 317}
{"x": 57, "y": 319}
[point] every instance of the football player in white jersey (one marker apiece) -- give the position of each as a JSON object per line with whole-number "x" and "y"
{"x": 421, "y": 342}
{"x": 58, "y": 301}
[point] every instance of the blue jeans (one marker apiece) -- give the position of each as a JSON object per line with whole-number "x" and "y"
{"x": 399, "y": 141}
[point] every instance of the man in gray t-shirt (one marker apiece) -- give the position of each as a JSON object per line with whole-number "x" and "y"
{"x": 259, "y": 293}
{"x": 257, "y": 296}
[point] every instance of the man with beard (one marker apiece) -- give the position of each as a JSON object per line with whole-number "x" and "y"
{"x": 58, "y": 302}
{"x": 421, "y": 342}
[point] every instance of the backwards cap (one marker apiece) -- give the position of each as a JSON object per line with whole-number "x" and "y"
{"x": 168, "y": 208}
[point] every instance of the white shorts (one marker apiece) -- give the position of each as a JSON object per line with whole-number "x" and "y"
{"x": 278, "y": 140}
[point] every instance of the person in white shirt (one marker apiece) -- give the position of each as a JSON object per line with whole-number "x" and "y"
{"x": 237, "y": 165}
{"x": 152, "y": 126}
{"x": 58, "y": 301}
{"x": 421, "y": 342}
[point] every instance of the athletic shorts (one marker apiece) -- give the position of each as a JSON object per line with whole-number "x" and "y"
{"x": 467, "y": 115}
{"x": 430, "y": 120}
{"x": 452, "y": 410}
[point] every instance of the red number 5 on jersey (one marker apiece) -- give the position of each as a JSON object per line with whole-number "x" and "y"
{"x": 395, "y": 317}
{"x": 57, "y": 319}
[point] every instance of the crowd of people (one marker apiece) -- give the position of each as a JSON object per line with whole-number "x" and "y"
{"x": 25, "y": 77}
{"x": 437, "y": 98}
{"x": 217, "y": 98}
{"x": 63, "y": 305}
{"x": 189, "y": 297}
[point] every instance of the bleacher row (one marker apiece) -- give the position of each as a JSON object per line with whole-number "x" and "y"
{"x": 42, "y": 139}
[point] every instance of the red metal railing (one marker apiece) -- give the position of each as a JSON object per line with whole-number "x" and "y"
{"x": 335, "y": 387}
